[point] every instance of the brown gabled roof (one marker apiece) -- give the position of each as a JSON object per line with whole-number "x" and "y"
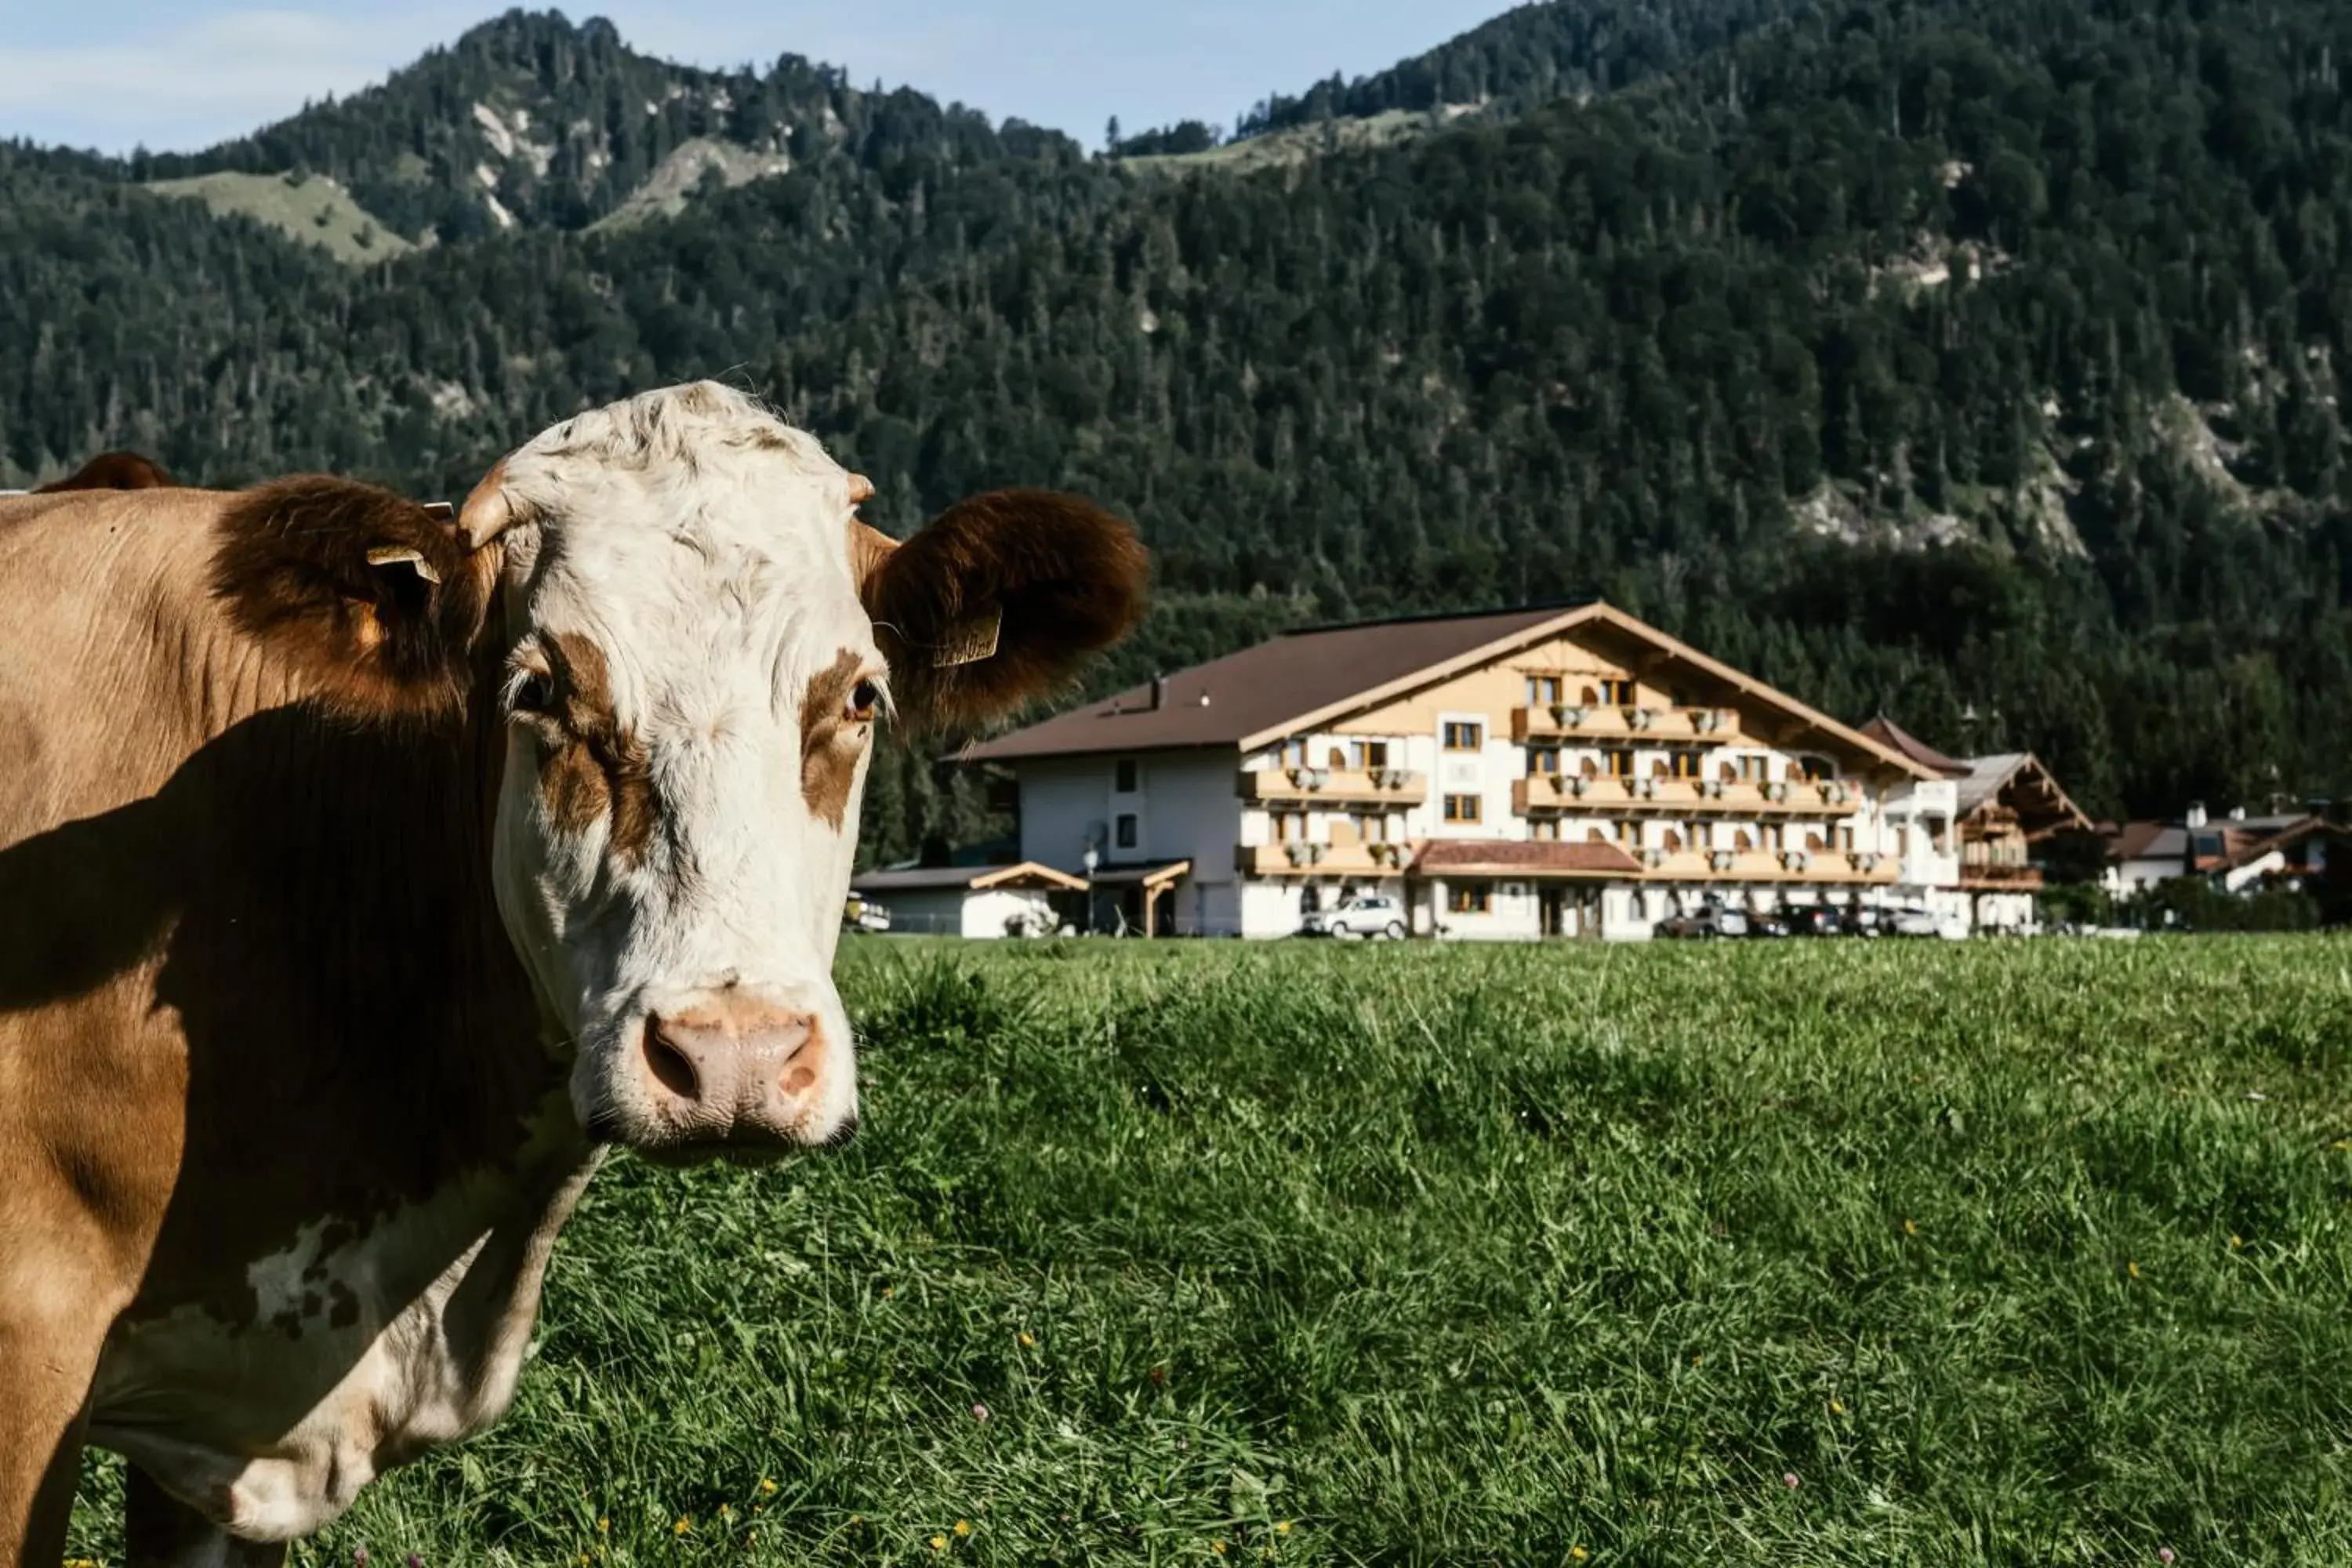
{"x": 1304, "y": 679}
{"x": 2148, "y": 840}
{"x": 1888, "y": 733}
{"x": 2041, "y": 807}
{"x": 1521, "y": 857}
{"x": 2242, "y": 848}
{"x": 1227, "y": 701}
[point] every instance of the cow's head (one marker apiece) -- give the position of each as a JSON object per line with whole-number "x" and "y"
{"x": 692, "y": 646}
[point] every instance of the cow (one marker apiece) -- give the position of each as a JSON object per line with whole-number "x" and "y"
{"x": 111, "y": 471}
{"x": 367, "y": 873}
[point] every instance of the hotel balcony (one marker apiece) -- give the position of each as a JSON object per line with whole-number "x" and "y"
{"x": 1543, "y": 794}
{"x": 1809, "y": 867}
{"x": 1991, "y": 878}
{"x": 1654, "y": 726}
{"x": 1300, "y": 859}
{"x": 1300, "y": 786}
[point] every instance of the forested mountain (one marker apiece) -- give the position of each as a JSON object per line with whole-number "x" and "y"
{"x": 1528, "y": 56}
{"x": 530, "y": 121}
{"x": 1917, "y": 354}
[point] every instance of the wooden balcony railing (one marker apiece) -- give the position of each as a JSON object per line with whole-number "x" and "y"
{"x": 1658, "y": 726}
{"x": 1373, "y": 786}
{"x": 1297, "y": 859}
{"x": 1985, "y": 876}
{"x": 1543, "y": 793}
{"x": 1841, "y": 867}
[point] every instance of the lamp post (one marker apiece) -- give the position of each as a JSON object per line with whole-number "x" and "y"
{"x": 1090, "y": 859}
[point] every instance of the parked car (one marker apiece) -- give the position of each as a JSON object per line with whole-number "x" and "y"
{"x": 1709, "y": 919}
{"x": 1915, "y": 921}
{"x": 860, "y": 914}
{"x": 1863, "y": 922}
{"x": 1812, "y": 919}
{"x": 1366, "y": 914}
{"x": 1772, "y": 922}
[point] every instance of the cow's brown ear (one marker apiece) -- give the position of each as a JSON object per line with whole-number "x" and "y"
{"x": 113, "y": 471}
{"x": 369, "y": 595}
{"x": 997, "y": 601}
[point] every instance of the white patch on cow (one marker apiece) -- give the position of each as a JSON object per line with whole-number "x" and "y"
{"x": 277, "y": 1281}
{"x": 270, "y": 1428}
{"x": 702, "y": 546}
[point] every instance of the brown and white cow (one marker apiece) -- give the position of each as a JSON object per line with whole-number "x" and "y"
{"x": 364, "y": 874}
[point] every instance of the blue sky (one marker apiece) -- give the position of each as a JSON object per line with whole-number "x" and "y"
{"x": 181, "y": 74}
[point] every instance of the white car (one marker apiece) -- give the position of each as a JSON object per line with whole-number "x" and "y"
{"x": 1926, "y": 922}
{"x": 1368, "y": 914}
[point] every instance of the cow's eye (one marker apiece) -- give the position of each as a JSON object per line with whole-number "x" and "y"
{"x": 863, "y": 698}
{"x": 533, "y": 693}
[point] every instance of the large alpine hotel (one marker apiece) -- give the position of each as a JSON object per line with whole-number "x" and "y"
{"x": 1557, "y": 771}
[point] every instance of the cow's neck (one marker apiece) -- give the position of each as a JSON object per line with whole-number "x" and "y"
{"x": 379, "y": 1148}
{"x": 361, "y": 1039}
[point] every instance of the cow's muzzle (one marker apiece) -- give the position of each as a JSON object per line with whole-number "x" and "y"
{"x": 734, "y": 1077}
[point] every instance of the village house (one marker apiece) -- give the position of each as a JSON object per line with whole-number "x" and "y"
{"x": 2008, "y": 805}
{"x": 971, "y": 900}
{"x": 1553, "y": 772}
{"x": 2238, "y": 852}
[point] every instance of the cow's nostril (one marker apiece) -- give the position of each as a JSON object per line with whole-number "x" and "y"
{"x": 671, "y": 1068}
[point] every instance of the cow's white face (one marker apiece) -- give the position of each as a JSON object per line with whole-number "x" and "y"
{"x": 690, "y": 690}
{"x": 690, "y": 686}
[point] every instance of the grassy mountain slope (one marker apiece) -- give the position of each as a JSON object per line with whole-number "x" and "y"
{"x": 310, "y": 211}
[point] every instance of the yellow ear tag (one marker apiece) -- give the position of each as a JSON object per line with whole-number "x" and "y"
{"x": 970, "y": 639}
{"x": 394, "y": 554}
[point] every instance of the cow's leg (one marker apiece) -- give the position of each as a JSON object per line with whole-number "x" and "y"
{"x": 162, "y": 1532}
{"x": 46, "y": 1367}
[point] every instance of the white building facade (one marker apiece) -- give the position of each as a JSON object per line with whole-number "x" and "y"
{"x": 1564, "y": 772}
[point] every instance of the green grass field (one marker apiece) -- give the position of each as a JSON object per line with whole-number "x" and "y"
{"x": 1798, "y": 1253}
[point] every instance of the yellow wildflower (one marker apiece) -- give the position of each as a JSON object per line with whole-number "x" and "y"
{"x": 1218, "y": 1547}
{"x": 1836, "y": 1408}
{"x": 964, "y": 1527}
{"x": 2236, "y": 1242}
{"x": 938, "y": 1544}
{"x": 2132, "y": 1268}
{"x": 603, "y": 1527}
{"x": 1283, "y": 1528}
{"x": 1028, "y": 1342}
{"x": 1578, "y": 1555}
{"x": 767, "y": 1486}
{"x": 684, "y": 1526}
{"x": 1910, "y": 1227}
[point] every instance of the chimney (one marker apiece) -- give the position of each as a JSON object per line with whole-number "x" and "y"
{"x": 2196, "y": 817}
{"x": 1158, "y": 693}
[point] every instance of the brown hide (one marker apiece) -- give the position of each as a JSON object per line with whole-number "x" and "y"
{"x": 251, "y": 977}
